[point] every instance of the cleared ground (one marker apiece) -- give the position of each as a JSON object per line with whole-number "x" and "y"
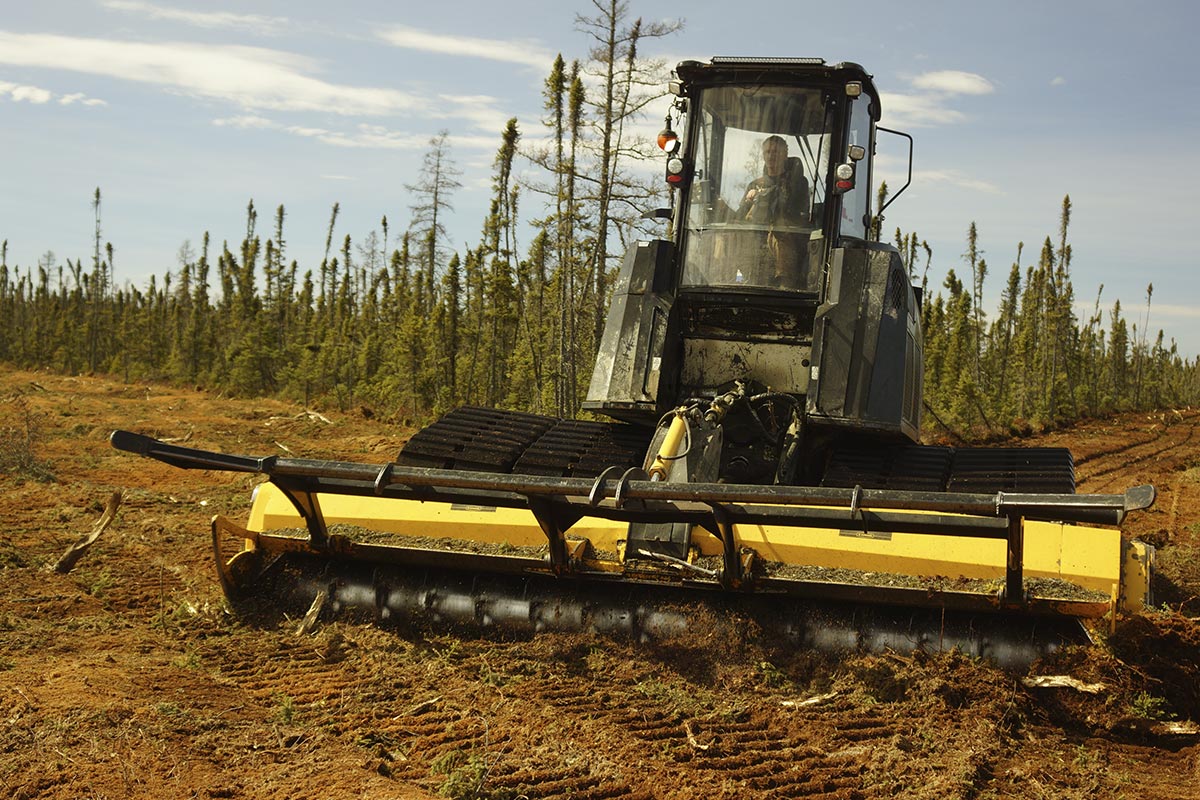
{"x": 130, "y": 678}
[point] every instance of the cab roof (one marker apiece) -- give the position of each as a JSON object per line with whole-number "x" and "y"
{"x": 770, "y": 70}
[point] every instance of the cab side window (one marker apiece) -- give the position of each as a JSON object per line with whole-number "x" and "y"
{"x": 856, "y": 203}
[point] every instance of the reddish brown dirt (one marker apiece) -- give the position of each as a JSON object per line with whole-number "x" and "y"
{"x": 130, "y": 677}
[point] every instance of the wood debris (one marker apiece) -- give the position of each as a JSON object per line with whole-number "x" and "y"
{"x": 1063, "y": 682}
{"x": 691, "y": 737}
{"x": 314, "y": 611}
{"x": 177, "y": 439}
{"x": 1176, "y": 729}
{"x": 420, "y": 707}
{"x": 808, "y": 702}
{"x": 71, "y": 557}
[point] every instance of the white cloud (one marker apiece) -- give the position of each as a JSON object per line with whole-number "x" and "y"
{"x": 36, "y": 95}
{"x": 245, "y": 122}
{"x": 949, "y": 81}
{"x": 1173, "y": 312}
{"x": 364, "y": 135}
{"x": 513, "y": 52}
{"x": 1059, "y": 81}
{"x": 479, "y": 110}
{"x": 1135, "y": 314}
{"x": 930, "y": 105}
{"x": 252, "y": 77}
{"x": 31, "y": 94}
{"x": 954, "y": 178}
{"x": 256, "y": 80}
{"x": 81, "y": 98}
{"x": 200, "y": 19}
{"x": 917, "y": 110}
{"x": 17, "y": 92}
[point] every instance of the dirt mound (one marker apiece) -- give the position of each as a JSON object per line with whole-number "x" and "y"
{"x": 1165, "y": 650}
{"x": 130, "y": 677}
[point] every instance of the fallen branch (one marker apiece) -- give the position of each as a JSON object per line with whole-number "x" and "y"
{"x": 1147, "y": 726}
{"x": 176, "y": 439}
{"x": 419, "y": 707}
{"x": 691, "y": 737}
{"x": 811, "y": 701}
{"x": 76, "y": 551}
{"x": 1063, "y": 682}
{"x": 310, "y": 619}
{"x": 1175, "y": 729}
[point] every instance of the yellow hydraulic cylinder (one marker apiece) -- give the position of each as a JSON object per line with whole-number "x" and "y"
{"x": 669, "y": 450}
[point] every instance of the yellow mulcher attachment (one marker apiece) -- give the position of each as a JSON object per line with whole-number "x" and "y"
{"x": 998, "y": 575}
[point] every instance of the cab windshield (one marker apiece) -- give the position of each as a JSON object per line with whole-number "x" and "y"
{"x": 754, "y": 210}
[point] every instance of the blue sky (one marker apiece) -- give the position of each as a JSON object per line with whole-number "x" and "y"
{"x": 181, "y": 111}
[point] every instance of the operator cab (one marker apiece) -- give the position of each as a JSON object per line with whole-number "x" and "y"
{"x": 777, "y": 169}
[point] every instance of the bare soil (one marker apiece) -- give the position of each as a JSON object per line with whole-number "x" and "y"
{"x": 131, "y": 677}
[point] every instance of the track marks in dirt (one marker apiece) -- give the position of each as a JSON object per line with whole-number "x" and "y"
{"x": 553, "y": 722}
{"x": 745, "y": 754}
{"x": 1149, "y": 770}
{"x": 296, "y": 670}
{"x": 577, "y": 782}
{"x": 149, "y": 593}
{"x": 1112, "y": 465}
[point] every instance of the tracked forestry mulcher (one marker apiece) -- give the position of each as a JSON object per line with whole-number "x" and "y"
{"x": 763, "y": 365}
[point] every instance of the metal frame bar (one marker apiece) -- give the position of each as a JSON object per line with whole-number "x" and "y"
{"x": 558, "y": 503}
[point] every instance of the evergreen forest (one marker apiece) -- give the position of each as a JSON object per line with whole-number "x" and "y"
{"x": 402, "y": 325}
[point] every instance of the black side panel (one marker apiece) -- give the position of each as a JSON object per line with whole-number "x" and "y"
{"x": 635, "y": 367}
{"x": 867, "y": 350}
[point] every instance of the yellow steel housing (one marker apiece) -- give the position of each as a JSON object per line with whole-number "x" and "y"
{"x": 1092, "y": 558}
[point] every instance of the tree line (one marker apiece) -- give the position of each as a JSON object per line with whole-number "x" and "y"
{"x": 390, "y": 329}
{"x": 1037, "y": 360}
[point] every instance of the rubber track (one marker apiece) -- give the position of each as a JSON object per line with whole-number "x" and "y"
{"x": 477, "y": 439}
{"x": 493, "y": 440}
{"x": 579, "y": 449}
{"x": 1042, "y": 470}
